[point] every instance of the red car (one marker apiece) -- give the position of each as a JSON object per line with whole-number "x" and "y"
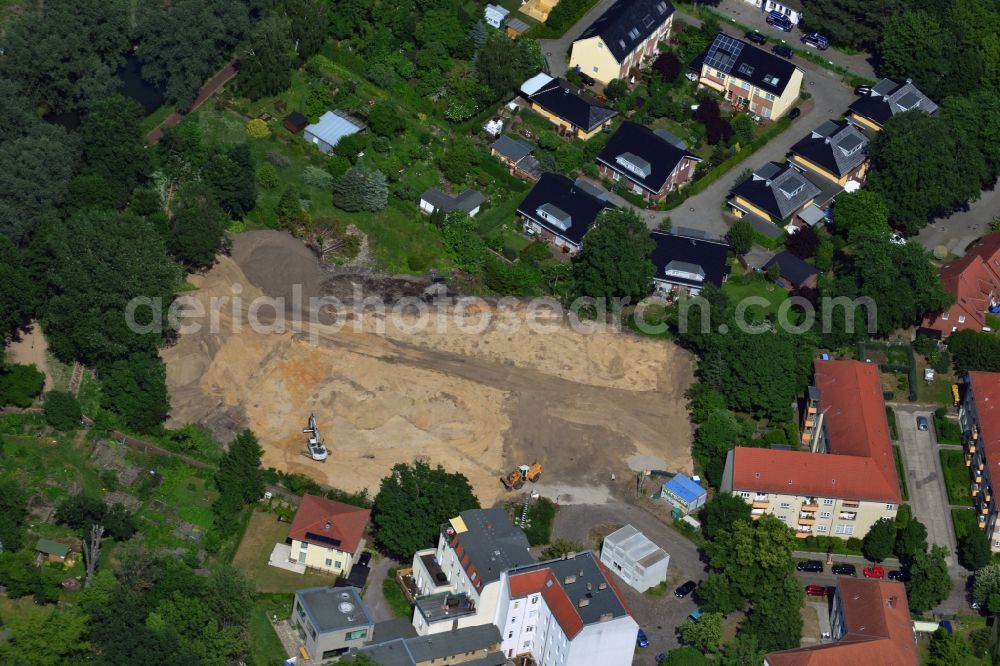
{"x": 816, "y": 590}
{"x": 874, "y": 571}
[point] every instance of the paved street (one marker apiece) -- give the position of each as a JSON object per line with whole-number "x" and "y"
{"x": 658, "y": 616}
{"x": 959, "y": 231}
{"x": 925, "y": 479}
{"x": 374, "y": 598}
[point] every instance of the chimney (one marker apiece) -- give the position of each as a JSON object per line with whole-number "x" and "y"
{"x": 602, "y": 586}
{"x": 581, "y": 573}
{"x": 590, "y": 587}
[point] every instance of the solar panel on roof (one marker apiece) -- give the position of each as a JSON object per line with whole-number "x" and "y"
{"x": 723, "y": 53}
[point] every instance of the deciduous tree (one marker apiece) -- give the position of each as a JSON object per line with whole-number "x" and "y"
{"x": 62, "y": 410}
{"x": 136, "y": 389}
{"x": 197, "y": 226}
{"x": 266, "y": 68}
{"x": 880, "y": 540}
{"x": 722, "y": 512}
{"x": 740, "y": 236}
{"x": 929, "y": 582}
{"x": 705, "y": 634}
{"x": 614, "y": 261}
{"x": 974, "y": 550}
{"x": 864, "y": 209}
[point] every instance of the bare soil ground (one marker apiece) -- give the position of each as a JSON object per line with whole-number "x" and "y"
{"x": 30, "y": 349}
{"x": 384, "y": 392}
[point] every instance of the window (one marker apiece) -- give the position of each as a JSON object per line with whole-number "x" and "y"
{"x": 527, "y": 644}
{"x": 765, "y": 111}
{"x": 534, "y": 599}
{"x": 329, "y": 562}
{"x": 303, "y": 545}
{"x": 996, "y": 544}
{"x": 845, "y": 529}
{"x": 785, "y": 505}
{"x": 528, "y": 630}
{"x": 890, "y": 507}
{"x": 961, "y": 319}
{"x": 338, "y": 564}
{"x": 821, "y": 528}
{"x": 513, "y": 620}
{"x": 828, "y": 502}
{"x": 596, "y": 69}
{"x": 356, "y": 634}
{"x": 745, "y": 495}
{"x": 945, "y": 316}
{"x": 769, "y": 97}
{"x": 782, "y": 518}
{"x": 824, "y": 514}
{"x": 517, "y": 604}
{"x": 510, "y": 634}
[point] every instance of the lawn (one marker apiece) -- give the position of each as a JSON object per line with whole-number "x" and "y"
{"x": 903, "y": 490}
{"x": 265, "y": 647}
{"x": 937, "y": 391}
{"x": 394, "y": 596}
{"x": 251, "y": 557}
{"x": 51, "y": 464}
{"x": 740, "y": 287}
{"x": 948, "y": 431}
{"x": 964, "y": 521}
{"x": 540, "y": 517}
{"x": 956, "y": 477}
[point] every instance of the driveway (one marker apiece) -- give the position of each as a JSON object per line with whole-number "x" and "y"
{"x": 556, "y": 51}
{"x": 658, "y": 616}
{"x": 749, "y": 15}
{"x": 960, "y": 230}
{"x": 373, "y": 596}
{"x": 925, "y": 479}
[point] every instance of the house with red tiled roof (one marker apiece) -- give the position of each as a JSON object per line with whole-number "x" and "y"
{"x": 328, "y": 535}
{"x": 565, "y": 612}
{"x": 843, "y": 478}
{"x": 974, "y": 281}
{"x": 870, "y": 624}
{"x": 979, "y": 416}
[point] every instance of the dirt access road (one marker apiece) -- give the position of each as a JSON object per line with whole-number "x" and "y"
{"x": 475, "y": 402}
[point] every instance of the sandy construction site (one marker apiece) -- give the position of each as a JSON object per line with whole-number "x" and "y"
{"x": 385, "y": 390}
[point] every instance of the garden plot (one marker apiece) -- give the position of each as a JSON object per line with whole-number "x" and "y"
{"x": 478, "y": 404}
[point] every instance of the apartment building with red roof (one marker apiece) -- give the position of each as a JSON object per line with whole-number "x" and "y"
{"x": 328, "y": 535}
{"x": 843, "y": 478}
{"x": 979, "y": 416}
{"x": 565, "y": 612}
{"x": 974, "y": 281}
{"x": 870, "y": 624}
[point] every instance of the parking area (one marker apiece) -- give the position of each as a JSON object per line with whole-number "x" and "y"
{"x": 659, "y": 616}
{"x": 925, "y": 479}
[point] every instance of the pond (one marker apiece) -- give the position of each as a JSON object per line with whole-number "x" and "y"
{"x": 150, "y": 97}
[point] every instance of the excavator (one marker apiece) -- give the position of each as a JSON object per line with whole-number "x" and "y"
{"x": 515, "y": 480}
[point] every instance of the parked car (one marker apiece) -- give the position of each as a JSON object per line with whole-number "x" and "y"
{"x": 755, "y": 37}
{"x": 587, "y": 79}
{"x": 782, "y": 50}
{"x": 794, "y": 113}
{"x": 365, "y": 558}
{"x": 812, "y": 566}
{"x": 779, "y": 20}
{"x": 862, "y": 90}
{"x": 896, "y": 574}
{"x": 922, "y": 423}
{"x": 975, "y": 604}
{"x": 685, "y": 589}
{"x": 816, "y": 40}
{"x": 816, "y": 590}
{"x": 874, "y": 571}
{"x": 841, "y": 569}
{"x": 641, "y": 639}
{"x": 660, "y": 658}
{"x": 696, "y": 614}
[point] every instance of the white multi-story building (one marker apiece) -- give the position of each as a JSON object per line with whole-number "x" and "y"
{"x": 458, "y": 582}
{"x": 565, "y": 612}
{"x": 635, "y": 559}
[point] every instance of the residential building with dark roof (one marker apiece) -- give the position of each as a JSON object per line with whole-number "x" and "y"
{"x": 886, "y": 99}
{"x": 330, "y": 621}
{"x": 566, "y": 106}
{"x": 979, "y": 417}
{"x": 653, "y": 166}
{"x": 434, "y": 199}
{"x": 458, "y": 582}
{"x": 471, "y": 646}
{"x": 843, "y": 479}
{"x": 836, "y": 150}
{"x": 974, "y": 281}
{"x": 621, "y": 38}
{"x": 870, "y": 624}
{"x": 749, "y": 78}
{"x": 686, "y": 263}
{"x": 328, "y": 535}
{"x": 560, "y": 212}
{"x": 795, "y": 272}
{"x": 516, "y": 154}
{"x": 565, "y": 612}
{"x": 774, "y": 192}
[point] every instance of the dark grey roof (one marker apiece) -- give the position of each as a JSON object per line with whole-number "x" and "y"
{"x": 791, "y": 267}
{"x": 748, "y": 63}
{"x": 492, "y": 543}
{"x": 837, "y": 146}
{"x": 628, "y": 23}
{"x": 582, "y": 578}
{"x": 652, "y": 156}
{"x": 780, "y": 190}
{"x": 467, "y": 200}
{"x": 334, "y": 608}
{"x": 562, "y": 193}
{"x": 513, "y": 149}
{"x": 591, "y": 189}
{"x": 670, "y": 138}
{"x": 563, "y": 99}
{"x": 888, "y": 97}
{"x": 421, "y": 649}
{"x": 390, "y": 630}
{"x": 692, "y": 255}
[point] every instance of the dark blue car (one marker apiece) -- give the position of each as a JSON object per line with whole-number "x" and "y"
{"x": 641, "y": 639}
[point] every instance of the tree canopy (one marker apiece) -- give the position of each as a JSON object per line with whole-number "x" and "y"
{"x": 614, "y": 261}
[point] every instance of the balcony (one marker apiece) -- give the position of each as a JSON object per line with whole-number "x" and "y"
{"x": 803, "y": 535}
{"x": 975, "y": 489}
{"x": 847, "y": 516}
{"x": 810, "y": 505}
{"x": 982, "y": 523}
{"x": 850, "y": 504}
{"x": 968, "y": 460}
{"x": 807, "y": 519}
{"x": 979, "y": 478}
{"x": 445, "y": 606}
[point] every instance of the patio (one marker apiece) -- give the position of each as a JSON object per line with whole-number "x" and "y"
{"x": 281, "y": 557}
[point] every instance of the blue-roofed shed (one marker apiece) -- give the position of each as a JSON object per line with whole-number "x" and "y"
{"x": 331, "y": 128}
{"x": 684, "y": 493}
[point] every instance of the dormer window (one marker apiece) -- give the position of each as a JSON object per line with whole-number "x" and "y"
{"x": 633, "y": 34}
{"x": 771, "y": 80}
{"x": 635, "y": 164}
{"x": 662, "y": 7}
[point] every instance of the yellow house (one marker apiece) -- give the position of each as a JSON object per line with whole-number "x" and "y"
{"x": 328, "y": 535}
{"x": 621, "y": 38}
{"x": 836, "y": 150}
{"x": 885, "y": 99}
{"x": 566, "y": 106}
{"x": 749, "y": 78}
{"x": 774, "y": 192}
